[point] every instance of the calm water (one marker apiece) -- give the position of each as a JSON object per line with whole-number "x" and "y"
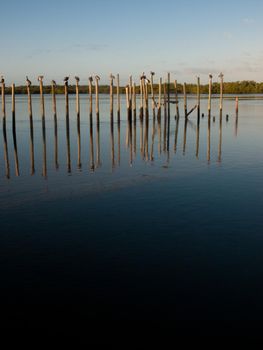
{"x": 158, "y": 226}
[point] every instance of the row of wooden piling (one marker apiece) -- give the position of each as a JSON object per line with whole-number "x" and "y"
{"x": 145, "y": 84}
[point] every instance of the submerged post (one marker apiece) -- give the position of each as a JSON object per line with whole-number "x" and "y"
{"x": 28, "y": 84}
{"x": 42, "y": 105}
{"x": 168, "y": 94}
{"x": 176, "y": 99}
{"x": 141, "y": 98}
{"x": 118, "y": 98}
{"x": 237, "y": 106}
{"x": 198, "y": 98}
{"x": 66, "y": 94}
{"x": 77, "y": 96}
{"x": 134, "y": 101}
{"x": 90, "y": 95}
{"x": 3, "y": 97}
{"x": 185, "y": 101}
{"x": 209, "y": 94}
{"x": 111, "y": 94}
{"x": 13, "y": 106}
{"x": 152, "y": 94}
{"x": 53, "y": 92}
{"x": 221, "y": 76}
{"x": 160, "y": 98}
{"x": 97, "y": 78}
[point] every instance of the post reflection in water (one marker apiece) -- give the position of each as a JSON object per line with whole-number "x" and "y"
{"x": 92, "y": 166}
{"x": 112, "y": 143}
{"x": 208, "y": 138}
{"x": 15, "y": 143}
{"x": 7, "y": 165}
{"x": 79, "y": 141}
{"x": 152, "y": 139}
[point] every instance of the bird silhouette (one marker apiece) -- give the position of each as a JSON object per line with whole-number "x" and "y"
{"x": 112, "y": 76}
{"x": 53, "y": 83}
{"x": 77, "y": 78}
{"x": 2, "y": 79}
{"x": 28, "y": 82}
{"x": 40, "y": 78}
{"x": 91, "y": 79}
{"x": 97, "y": 77}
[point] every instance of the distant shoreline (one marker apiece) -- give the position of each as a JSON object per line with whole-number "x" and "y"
{"x": 237, "y": 88}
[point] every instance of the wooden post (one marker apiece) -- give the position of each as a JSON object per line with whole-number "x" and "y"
{"x": 168, "y": 94}
{"x": 160, "y": 98}
{"x": 176, "y": 99}
{"x": 3, "y": 97}
{"x": 185, "y": 101}
{"x": 127, "y": 102}
{"x": 77, "y": 96}
{"x": 66, "y": 96}
{"x": 79, "y": 141}
{"x": 198, "y": 98}
{"x": 53, "y": 92}
{"x": 13, "y": 107}
{"x": 90, "y": 96}
{"x": 91, "y": 143}
{"x": 14, "y": 130}
{"x": 134, "y": 100}
{"x": 220, "y": 138}
{"x": 152, "y": 94}
{"x": 6, "y": 156}
{"x": 221, "y": 76}
{"x": 209, "y": 95}
{"x": 111, "y": 95}
{"x": 236, "y": 105}
{"x": 141, "y": 98}
{"x": 42, "y": 104}
{"x": 118, "y": 98}
{"x": 32, "y": 157}
{"x": 130, "y": 91}
{"x": 97, "y": 78}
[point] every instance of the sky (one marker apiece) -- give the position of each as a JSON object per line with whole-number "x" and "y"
{"x": 82, "y": 37}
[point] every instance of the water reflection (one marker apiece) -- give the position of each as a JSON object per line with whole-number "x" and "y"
{"x": 153, "y": 140}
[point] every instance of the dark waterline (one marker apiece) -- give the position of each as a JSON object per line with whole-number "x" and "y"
{"x": 159, "y": 225}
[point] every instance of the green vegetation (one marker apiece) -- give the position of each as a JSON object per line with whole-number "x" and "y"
{"x": 238, "y": 87}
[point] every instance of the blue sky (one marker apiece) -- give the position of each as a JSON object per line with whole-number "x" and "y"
{"x": 187, "y": 38}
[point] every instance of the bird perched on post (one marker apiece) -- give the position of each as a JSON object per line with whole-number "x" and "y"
{"x": 53, "y": 83}
{"x": 28, "y": 82}
{"x": 210, "y": 76}
{"x": 40, "y": 78}
{"x": 143, "y": 76}
{"x": 112, "y": 76}
{"x": 77, "y": 79}
{"x": 221, "y": 75}
{"x": 91, "y": 79}
{"x": 66, "y": 80}
{"x": 2, "y": 79}
{"x": 97, "y": 77}
{"x": 152, "y": 73}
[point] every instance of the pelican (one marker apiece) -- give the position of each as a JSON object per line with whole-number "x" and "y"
{"x": 66, "y": 79}
{"x": 2, "y": 79}
{"x": 152, "y": 73}
{"x": 143, "y": 76}
{"x": 28, "y": 82}
{"x": 91, "y": 79}
{"x": 40, "y": 78}
{"x": 210, "y": 76}
{"x": 77, "y": 78}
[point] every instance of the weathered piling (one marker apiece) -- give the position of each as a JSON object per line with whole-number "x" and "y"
{"x": 6, "y": 155}
{"x": 221, "y": 76}
{"x": 134, "y": 101}
{"x": 112, "y": 77}
{"x": 118, "y": 97}
{"x": 168, "y": 94}
{"x": 159, "y": 99}
{"x": 3, "y": 97}
{"x": 112, "y": 144}
{"x": 220, "y": 139}
{"x": 77, "y": 96}
{"x": 176, "y": 133}
{"x": 209, "y": 95}
{"x": 185, "y": 135}
{"x": 236, "y": 106}
{"x": 44, "y": 165}
{"x": 66, "y": 95}
{"x": 79, "y": 141}
{"x": 185, "y": 100}
{"x": 130, "y": 91}
{"x": 14, "y": 130}
{"x": 208, "y": 138}
{"x": 198, "y": 98}
{"x": 177, "y": 115}
{"x": 152, "y": 94}
{"x": 141, "y": 98}
{"x": 32, "y": 156}
{"x": 127, "y": 102}
{"x": 97, "y": 78}
{"x": 42, "y": 103}
{"x": 13, "y": 106}
{"x": 92, "y": 165}
{"x": 98, "y": 160}
{"x": 54, "y": 102}
{"x": 90, "y": 96}
{"x": 197, "y": 140}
